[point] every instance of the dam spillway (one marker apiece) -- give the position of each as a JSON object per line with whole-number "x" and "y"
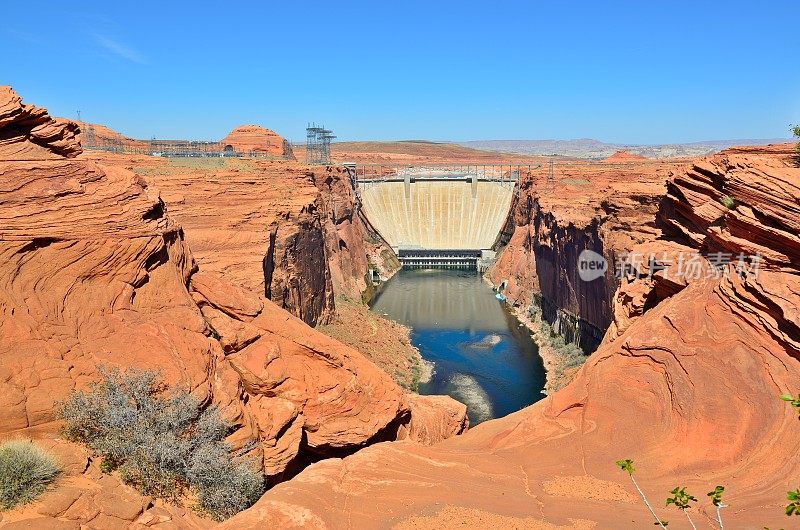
{"x": 437, "y": 214}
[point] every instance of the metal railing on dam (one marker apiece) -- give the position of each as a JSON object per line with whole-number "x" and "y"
{"x": 509, "y": 173}
{"x": 437, "y": 207}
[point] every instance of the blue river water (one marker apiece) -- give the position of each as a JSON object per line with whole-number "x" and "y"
{"x": 475, "y": 350}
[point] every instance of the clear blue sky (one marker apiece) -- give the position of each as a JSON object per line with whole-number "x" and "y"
{"x": 629, "y": 72}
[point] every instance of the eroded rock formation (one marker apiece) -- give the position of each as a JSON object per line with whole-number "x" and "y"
{"x": 258, "y": 140}
{"x": 95, "y": 273}
{"x": 279, "y": 228}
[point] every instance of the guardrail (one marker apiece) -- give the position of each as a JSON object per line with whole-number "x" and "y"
{"x": 399, "y": 172}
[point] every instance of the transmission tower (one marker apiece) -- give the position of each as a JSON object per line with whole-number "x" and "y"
{"x": 318, "y": 144}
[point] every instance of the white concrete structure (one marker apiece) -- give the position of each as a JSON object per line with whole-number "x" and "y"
{"x": 437, "y": 215}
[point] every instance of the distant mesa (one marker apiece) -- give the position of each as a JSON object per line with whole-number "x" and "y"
{"x": 257, "y": 139}
{"x": 624, "y": 156}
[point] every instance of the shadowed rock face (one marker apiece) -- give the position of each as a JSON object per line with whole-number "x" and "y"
{"x": 589, "y": 207}
{"x": 688, "y": 389}
{"x": 94, "y": 273}
{"x": 279, "y": 228}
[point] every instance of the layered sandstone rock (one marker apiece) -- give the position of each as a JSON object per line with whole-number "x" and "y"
{"x": 94, "y": 273}
{"x": 688, "y": 390}
{"x": 29, "y": 133}
{"x": 593, "y": 207}
{"x": 279, "y": 228}
{"x": 257, "y": 140}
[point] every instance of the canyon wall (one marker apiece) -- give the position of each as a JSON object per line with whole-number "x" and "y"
{"x": 686, "y": 385}
{"x": 603, "y": 209}
{"x": 279, "y": 228}
{"x": 94, "y": 273}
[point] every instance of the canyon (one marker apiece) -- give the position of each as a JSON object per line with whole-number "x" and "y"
{"x": 685, "y": 381}
{"x": 223, "y": 273}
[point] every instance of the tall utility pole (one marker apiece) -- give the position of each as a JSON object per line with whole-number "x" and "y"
{"x": 318, "y": 144}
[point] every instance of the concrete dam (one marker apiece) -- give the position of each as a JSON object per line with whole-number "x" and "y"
{"x": 429, "y": 214}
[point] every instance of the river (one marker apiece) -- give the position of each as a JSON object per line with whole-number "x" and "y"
{"x": 475, "y": 349}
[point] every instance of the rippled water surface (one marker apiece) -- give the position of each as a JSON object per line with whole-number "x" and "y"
{"x": 480, "y": 354}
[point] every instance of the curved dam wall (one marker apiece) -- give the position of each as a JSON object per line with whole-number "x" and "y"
{"x": 437, "y": 215}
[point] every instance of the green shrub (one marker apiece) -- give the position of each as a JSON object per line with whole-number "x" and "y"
{"x": 796, "y": 132}
{"x": 728, "y": 202}
{"x": 162, "y": 443}
{"x": 25, "y": 472}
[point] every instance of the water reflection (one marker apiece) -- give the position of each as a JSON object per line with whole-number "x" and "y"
{"x": 480, "y": 354}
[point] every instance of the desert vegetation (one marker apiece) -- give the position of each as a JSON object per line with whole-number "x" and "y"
{"x": 680, "y": 498}
{"x": 570, "y": 355}
{"x": 728, "y": 202}
{"x": 25, "y": 472}
{"x": 627, "y": 466}
{"x": 161, "y": 442}
{"x": 796, "y": 132}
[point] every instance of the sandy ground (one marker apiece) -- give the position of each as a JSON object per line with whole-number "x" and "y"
{"x": 385, "y": 342}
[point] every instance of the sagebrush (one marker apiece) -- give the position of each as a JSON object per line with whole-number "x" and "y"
{"x": 161, "y": 442}
{"x": 25, "y": 472}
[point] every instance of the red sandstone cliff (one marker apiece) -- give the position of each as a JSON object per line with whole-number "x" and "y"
{"x": 95, "y": 273}
{"x": 280, "y": 228}
{"x": 591, "y": 206}
{"x": 689, "y": 390}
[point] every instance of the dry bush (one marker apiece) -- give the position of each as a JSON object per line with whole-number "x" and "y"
{"x": 25, "y": 472}
{"x": 161, "y": 442}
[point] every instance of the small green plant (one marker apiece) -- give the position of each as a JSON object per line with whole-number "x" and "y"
{"x": 162, "y": 443}
{"x": 728, "y": 202}
{"x": 793, "y": 508}
{"x": 796, "y": 131}
{"x": 25, "y": 472}
{"x": 716, "y": 500}
{"x": 682, "y": 500}
{"x": 793, "y": 401}
{"x": 627, "y": 466}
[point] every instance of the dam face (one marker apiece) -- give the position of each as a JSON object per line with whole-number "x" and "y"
{"x": 437, "y": 214}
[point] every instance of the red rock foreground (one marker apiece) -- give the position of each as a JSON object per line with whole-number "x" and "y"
{"x": 93, "y": 272}
{"x": 687, "y": 387}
